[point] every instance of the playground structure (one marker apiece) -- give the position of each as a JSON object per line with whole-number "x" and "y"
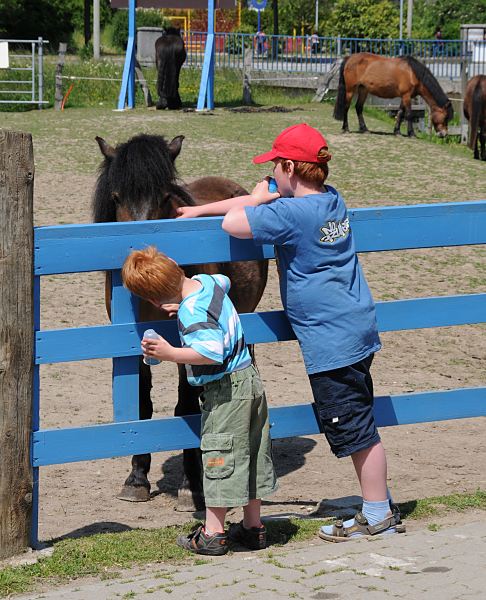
{"x": 99, "y": 247}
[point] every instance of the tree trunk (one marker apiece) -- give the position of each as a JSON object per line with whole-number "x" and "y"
{"x": 16, "y": 339}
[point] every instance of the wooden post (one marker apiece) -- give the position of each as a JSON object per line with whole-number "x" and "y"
{"x": 143, "y": 84}
{"x": 16, "y": 339}
{"x": 247, "y": 63}
{"x": 60, "y": 64}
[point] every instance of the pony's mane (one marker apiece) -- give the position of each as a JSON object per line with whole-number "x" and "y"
{"x": 141, "y": 170}
{"x": 425, "y": 76}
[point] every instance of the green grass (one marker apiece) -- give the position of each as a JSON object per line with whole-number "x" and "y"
{"x": 105, "y": 554}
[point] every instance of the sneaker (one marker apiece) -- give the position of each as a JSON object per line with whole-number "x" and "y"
{"x": 200, "y": 543}
{"x": 254, "y": 538}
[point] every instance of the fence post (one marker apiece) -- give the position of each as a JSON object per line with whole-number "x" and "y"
{"x": 247, "y": 60}
{"x": 16, "y": 339}
{"x": 59, "y": 68}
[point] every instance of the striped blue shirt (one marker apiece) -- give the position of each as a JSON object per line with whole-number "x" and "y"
{"x": 209, "y": 324}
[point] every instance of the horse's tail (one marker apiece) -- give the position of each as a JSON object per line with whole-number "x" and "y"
{"x": 340, "y": 106}
{"x": 476, "y": 110}
{"x": 170, "y": 58}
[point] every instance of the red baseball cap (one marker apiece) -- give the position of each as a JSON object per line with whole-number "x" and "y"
{"x": 298, "y": 142}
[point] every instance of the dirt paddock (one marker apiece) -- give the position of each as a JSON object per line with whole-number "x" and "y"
{"x": 424, "y": 460}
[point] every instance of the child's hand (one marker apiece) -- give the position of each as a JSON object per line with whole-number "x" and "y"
{"x": 187, "y": 212}
{"x": 170, "y": 309}
{"x": 261, "y": 194}
{"x": 159, "y": 349}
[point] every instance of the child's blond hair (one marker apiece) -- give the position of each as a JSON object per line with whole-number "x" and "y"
{"x": 152, "y": 275}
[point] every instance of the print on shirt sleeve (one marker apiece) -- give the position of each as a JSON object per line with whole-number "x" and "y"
{"x": 334, "y": 230}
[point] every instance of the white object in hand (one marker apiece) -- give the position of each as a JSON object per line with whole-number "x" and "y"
{"x": 150, "y": 334}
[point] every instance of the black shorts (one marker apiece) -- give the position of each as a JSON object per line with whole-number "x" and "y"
{"x": 344, "y": 403}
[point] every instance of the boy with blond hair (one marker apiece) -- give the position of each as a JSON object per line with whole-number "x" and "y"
{"x": 328, "y": 303}
{"x": 235, "y": 432}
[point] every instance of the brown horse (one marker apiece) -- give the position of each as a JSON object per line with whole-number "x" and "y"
{"x": 403, "y": 77}
{"x": 475, "y": 113}
{"x": 138, "y": 181}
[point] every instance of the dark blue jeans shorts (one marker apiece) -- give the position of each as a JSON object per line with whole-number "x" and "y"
{"x": 344, "y": 403}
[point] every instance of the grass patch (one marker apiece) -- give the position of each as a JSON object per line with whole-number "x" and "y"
{"x": 105, "y": 554}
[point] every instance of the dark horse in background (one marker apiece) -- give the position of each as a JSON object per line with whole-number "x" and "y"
{"x": 138, "y": 181}
{"x": 170, "y": 54}
{"x": 475, "y": 113}
{"x": 403, "y": 77}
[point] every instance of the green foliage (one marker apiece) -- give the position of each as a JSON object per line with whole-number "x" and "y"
{"x": 449, "y": 15}
{"x": 145, "y": 18}
{"x": 364, "y": 18}
{"x": 54, "y": 20}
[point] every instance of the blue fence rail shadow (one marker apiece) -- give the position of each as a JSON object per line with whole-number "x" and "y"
{"x": 100, "y": 247}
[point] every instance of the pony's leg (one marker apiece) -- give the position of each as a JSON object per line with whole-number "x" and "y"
{"x": 399, "y": 119}
{"x": 408, "y": 115}
{"x": 137, "y": 486}
{"x": 362, "y": 95}
{"x": 349, "y": 98}
{"x": 190, "y": 496}
{"x": 482, "y": 140}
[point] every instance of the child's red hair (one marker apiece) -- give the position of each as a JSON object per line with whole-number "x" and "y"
{"x": 152, "y": 275}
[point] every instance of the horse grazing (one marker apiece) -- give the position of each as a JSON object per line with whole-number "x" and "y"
{"x": 404, "y": 77}
{"x": 138, "y": 181}
{"x": 170, "y": 54}
{"x": 475, "y": 113}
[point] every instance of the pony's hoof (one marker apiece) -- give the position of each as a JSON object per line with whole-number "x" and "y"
{"x": 131, "y": 493}
{"x": 188, "y": 501}
{"x": 365, "y": 130}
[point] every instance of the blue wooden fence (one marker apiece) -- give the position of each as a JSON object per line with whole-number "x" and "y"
{"x": 98, "y": 247}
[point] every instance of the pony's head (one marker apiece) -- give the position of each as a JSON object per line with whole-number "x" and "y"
{"x": 441, "y": 115}
{"x": 138, "y": 180}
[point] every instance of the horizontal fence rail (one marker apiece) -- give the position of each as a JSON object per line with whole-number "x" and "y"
{"x": 445, "y": 58}
{"x": 96, "y": 247}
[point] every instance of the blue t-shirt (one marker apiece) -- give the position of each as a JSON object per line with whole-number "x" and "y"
{"x": 324, "y": 292}
{"x": 209, "y": 324}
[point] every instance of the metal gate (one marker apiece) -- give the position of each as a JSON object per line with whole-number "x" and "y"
{"x": 22, "y": 71}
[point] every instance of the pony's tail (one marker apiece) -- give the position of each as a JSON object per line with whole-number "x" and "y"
{"x": 340, "y": 105}
{"x": 476, "y": 109}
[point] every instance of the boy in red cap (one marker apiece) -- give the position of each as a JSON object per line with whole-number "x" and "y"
{"x": 329, "y": 305}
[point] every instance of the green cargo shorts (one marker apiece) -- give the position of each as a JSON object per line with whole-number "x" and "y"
{"x": 235, "y": 440}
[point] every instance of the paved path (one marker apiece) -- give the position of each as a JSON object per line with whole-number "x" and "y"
{"x": 444, "y": 565}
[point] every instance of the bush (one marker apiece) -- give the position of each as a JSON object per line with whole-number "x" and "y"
{"x": 145, "y": 18}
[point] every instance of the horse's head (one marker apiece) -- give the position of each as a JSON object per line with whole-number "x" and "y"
{"x": 138, "y": 180}
{"x": 441, "y": 115}
{"x": 172, "y": 31}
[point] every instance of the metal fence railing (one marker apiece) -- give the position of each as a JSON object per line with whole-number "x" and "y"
{"x": 445, "y": 58}
{"x": 22, "y": 79}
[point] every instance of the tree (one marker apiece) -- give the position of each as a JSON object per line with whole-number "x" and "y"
{"x": 446, "y": 14}
{"x": 364, "y": 19}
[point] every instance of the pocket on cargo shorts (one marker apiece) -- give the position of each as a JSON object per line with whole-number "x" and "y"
{"x": 217, "y": 455}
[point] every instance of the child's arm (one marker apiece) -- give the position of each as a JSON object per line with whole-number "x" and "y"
{"x": 162, "y": 350}
{"x": 259, "y": 195}
{"x": 236, "y": 222}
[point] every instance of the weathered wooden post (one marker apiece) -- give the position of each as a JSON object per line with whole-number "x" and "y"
{"x": 60, "y": 64}
{"x": 16, "y": 339}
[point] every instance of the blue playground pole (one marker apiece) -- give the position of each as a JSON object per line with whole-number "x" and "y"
{"x": 206, "y": 88}
{"x": 258, "y": 27}
{"x": 127, "y": 89}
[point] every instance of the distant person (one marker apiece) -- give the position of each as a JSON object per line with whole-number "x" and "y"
{"x": 439, "y": 42}
{"x": 315, "y": 43}
{"x": 235, "y": 431}
{"x": 261, "y": 40}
